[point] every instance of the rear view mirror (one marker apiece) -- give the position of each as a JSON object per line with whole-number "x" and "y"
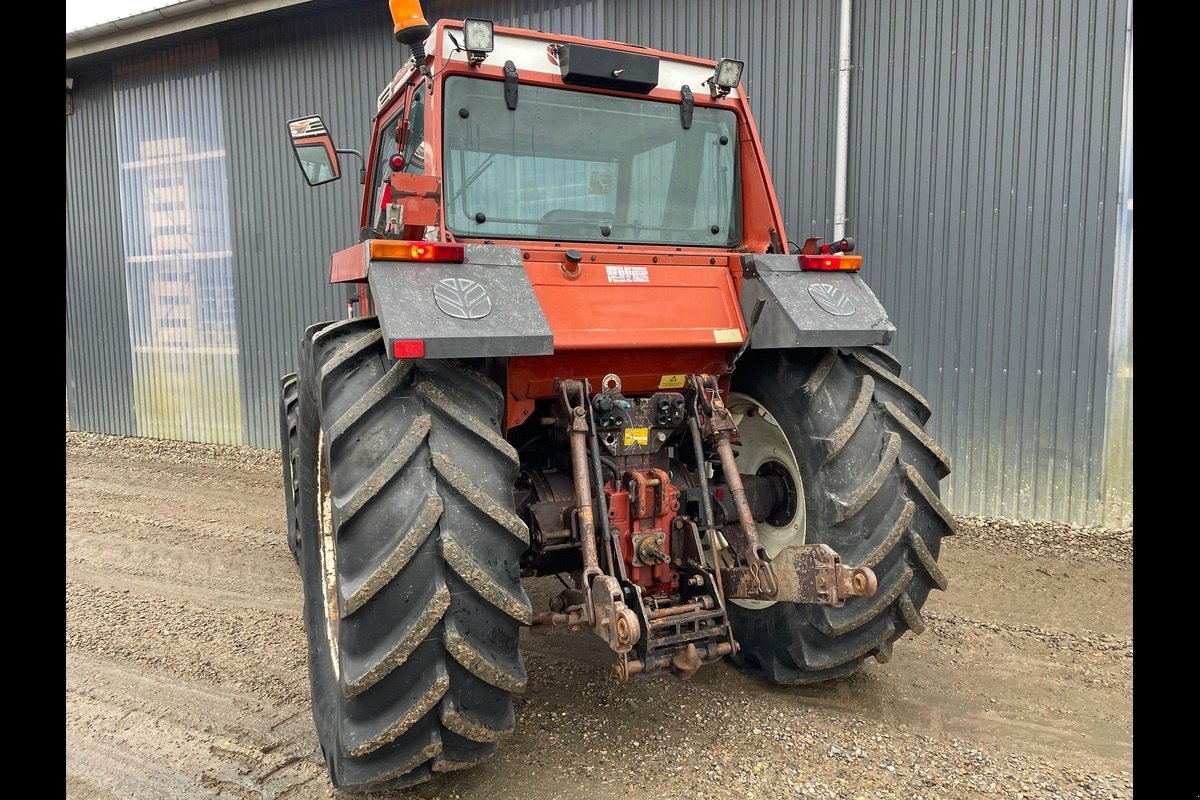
{"x": 314, "y": 150}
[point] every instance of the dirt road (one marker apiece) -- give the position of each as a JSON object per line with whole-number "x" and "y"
{"x": 187, "y": 677}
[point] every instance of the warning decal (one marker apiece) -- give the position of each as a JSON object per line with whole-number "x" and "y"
{"x": 637, "y": 436}
{"x": 618, "y": 273}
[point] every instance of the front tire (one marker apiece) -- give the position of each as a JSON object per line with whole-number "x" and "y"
{"x": 870, "y": 477}
{"x": 410, "y": 561}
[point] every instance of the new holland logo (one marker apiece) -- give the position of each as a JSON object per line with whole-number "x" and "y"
{"x": 831, "y": 299}
{"x": 462, "y": 298}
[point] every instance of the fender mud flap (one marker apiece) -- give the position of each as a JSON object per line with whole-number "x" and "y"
{"x": 484, "y": 307}
{"x": 809, "y": 309}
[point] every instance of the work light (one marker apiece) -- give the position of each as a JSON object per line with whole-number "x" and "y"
{"x": 478, "y": 39}
{"x": 727, "y": 76}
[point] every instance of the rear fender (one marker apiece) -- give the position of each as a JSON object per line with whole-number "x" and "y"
{"x": 484, "y": 307}
{"x": 809, "y": 309}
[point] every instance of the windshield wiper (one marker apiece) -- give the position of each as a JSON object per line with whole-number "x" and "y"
{"x": 474, "y": 176}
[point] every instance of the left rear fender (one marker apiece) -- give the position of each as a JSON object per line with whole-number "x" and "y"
{"x": 483, "y": 307}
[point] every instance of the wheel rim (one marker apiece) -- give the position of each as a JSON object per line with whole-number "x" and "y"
{"x": 328, "y": 556}
{"x": 765, "y": 449}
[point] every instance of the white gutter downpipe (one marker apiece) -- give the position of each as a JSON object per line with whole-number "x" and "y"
{"x": 843, "y": 122}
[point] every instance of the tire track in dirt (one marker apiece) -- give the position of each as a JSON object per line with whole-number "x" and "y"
{"x": 234, "y": 577}
{"x": 140, "y": 497}
{"x": 145, "y": 734}
{"x": 241, "y": 646}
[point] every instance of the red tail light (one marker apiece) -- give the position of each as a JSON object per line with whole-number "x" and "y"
{"x": 407, "y": 250}
{"x": 834, "y": 262}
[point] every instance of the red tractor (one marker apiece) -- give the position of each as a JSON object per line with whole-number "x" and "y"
{"x": 577, "y": 345}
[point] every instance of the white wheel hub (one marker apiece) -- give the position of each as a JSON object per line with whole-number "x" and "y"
{"x": 764, "y": 450}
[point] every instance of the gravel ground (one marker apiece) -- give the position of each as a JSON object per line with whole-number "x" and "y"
{"x": 186, "y": 671}
{"x": 1049, "y": 539}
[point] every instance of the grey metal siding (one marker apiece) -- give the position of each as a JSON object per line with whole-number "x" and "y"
{"x": 790, "y": 51}
{"x": 577, "y": 17}
{"x": 984, "y": 194}
{"x": 983, "y": 186}
{"x": 176, "y": 254}
{"x": 284, "y": 232}
{"x": 99, "y": 371}
{"x": 1118, "y": 427}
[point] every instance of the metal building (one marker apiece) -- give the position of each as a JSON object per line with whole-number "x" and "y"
{"x": 989, "y": 188}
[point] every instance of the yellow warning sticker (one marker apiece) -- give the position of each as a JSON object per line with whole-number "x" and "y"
{"x": 727, "y": 335}
{"x": 672, "y": 382}
{"x": 637, "y": 436}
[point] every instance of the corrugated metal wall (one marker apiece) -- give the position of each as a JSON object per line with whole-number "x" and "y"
{"x": 1118, "y": 427}
{"x": 99, "y": 362}
{"x": 578, "y": 17}
{"x": 175, "y": 239}
{"x": 984, "y": 180}
{"x": 331, "y": 63}
{"x": 983, "y": 191}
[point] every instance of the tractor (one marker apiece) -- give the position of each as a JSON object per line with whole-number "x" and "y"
{"x": 579, "y": 343}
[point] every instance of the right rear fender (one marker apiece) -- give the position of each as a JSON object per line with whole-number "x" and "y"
{"x": 809, "y": 309}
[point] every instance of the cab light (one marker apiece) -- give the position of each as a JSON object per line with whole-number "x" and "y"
{"x": 408, "y": 348}
{"x": 407, "y": 250}
{"x": 833, "y": 262}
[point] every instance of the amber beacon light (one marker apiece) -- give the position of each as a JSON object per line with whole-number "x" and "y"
{"x": 410, "y": 24}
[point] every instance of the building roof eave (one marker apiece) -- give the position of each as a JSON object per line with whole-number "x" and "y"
{"x": 175, "y": 18}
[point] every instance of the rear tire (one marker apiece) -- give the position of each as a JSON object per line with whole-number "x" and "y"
{"x": 870, "y": 479}
{"x": 410, "y": 562}
{"x": 289, "y": 415}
